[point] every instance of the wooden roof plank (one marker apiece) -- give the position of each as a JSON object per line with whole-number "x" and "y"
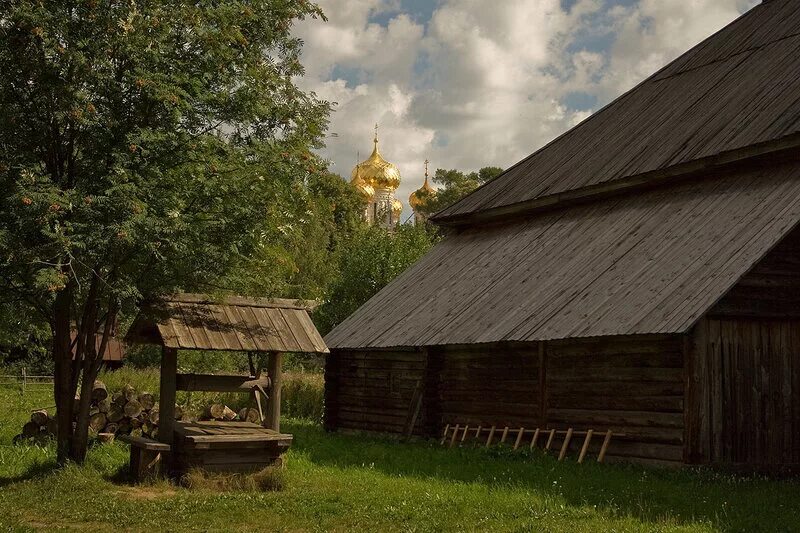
{"x": 274, "y": 337}
{"x": 241, "y": 328}
{"x": 284, "y": 330}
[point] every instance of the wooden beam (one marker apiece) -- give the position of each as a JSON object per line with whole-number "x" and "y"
{"x": 550, "y": 439}
{"x": 534, "y": 438}
{"x": 604, "y": 448}
{"x": 585, "y": 447}
{"x": 221, "y": 383}
{"x": 542, "y": 385}
{"x": 455, "y": 434}
{"x": 166, "y": 396}
{"x": 565, "y": 446}
{"x": 519, "y": 438}
{"x": 491, "y": 436}
{"x": 273, "y": 420}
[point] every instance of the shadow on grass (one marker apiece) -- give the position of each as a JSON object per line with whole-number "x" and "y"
{"x": 727, "y": 502}
{"x": 34, "y": 471}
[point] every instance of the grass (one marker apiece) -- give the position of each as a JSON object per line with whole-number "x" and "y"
{"x": 350, "y": 482}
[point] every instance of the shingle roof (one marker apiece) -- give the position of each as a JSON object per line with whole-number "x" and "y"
{"x": 639, "y": 264}
{"x": 195, "y": 321}
{"x": 737, "y": 90}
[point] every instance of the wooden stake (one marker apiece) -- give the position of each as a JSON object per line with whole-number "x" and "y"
{"x": 550, "y": 440}
{"x": 274, "y": 400}
{"x": 478, "y": 432}
{"x": 565, "y": 446}
{"x": 491, "y": 436}
{"x": 464, "y": 436}
{"x": 534, "y": 438}
{"x": 604, "y": 448}
{"x": 455, "y": 434}
{"x": 519, "y": 438}
{"x": 585, "y": 447}
{"x": 505, "y": 434}
{"x": 444, "y": 434}
{"x": 166, "y": 398}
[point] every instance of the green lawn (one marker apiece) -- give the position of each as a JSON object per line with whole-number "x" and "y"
{"x": 343, "y": 483}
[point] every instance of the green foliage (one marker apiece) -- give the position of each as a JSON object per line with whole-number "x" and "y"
{"x": 455, "y": 185}
{"x": 157, "y": 145}
{"x": 368, "y": 261}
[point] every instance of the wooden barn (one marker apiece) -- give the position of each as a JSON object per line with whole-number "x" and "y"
{"x": 641, "y": 273}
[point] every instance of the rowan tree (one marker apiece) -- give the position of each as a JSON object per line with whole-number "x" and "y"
{"x": 145, "y": 147}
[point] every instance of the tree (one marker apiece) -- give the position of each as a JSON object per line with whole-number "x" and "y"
{"x": 455, "y": 185}
{"x": 145, "y": 147}
{"x": 370, "y": 259}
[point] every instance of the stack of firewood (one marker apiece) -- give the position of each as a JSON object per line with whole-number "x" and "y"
{"x": 126, "y": 412}
{"x": 38, "y": 429}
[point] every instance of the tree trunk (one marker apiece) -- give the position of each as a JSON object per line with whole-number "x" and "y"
{"x": 64, "y": 392}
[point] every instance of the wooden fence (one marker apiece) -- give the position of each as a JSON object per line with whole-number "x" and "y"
{"x": 23, "y": 380}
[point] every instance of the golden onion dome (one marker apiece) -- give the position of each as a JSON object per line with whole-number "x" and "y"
{"x": 423, "y": 194}
{"x": 363, "y": 187}
{"x": 377, "y": 172}
{"x": 397, "y": 209}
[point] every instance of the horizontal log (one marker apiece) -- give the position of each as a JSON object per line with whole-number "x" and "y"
{"x": 618, "y": 418}
{"x": 636, "y": 403}
{"x": 344, "y": 359}
{"x": 604, "y": 361}
{"x": 483, "y": 407}
{"x": 644, "y": 344}
{"x": 219, "y": 383}
{"x": 636, "y": 375}
{"x": 529, "y": 397}
{"x": 591, "y": 388}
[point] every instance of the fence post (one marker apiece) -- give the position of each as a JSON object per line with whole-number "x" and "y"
{"x": 23, "y": 381}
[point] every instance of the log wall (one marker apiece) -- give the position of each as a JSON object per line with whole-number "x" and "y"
{"x": 372, "y": 390}
{"x": 490, "y": 385}
{"x": 629, "y": 385}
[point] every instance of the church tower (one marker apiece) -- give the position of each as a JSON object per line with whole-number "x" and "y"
{"x": 377, "y": 179}
{"x": 420, "y": 197}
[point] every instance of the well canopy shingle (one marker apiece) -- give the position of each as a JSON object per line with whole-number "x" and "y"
{"x": 735, "y": 93}
{"x": 649, "y": 263}
{"x": 196, "y": 321}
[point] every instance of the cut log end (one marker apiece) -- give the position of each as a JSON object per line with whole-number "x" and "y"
{"x": 39, "y": 417}
{"x": 99, "y": 391}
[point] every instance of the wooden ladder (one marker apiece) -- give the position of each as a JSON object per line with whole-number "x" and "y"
{"x": 542, "y": 437}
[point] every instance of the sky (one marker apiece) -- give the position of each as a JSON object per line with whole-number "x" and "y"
{"x": 474, "y": 83}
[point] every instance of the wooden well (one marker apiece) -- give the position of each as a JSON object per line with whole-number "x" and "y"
{"x": 264, "y": 329}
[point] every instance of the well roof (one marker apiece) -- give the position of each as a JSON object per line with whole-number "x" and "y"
{"x": 199, "y": 322}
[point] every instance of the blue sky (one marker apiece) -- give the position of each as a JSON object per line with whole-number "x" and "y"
{"x": 471, "y": 83}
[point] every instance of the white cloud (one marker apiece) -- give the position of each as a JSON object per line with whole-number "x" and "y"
{"x": 484, "y": 83}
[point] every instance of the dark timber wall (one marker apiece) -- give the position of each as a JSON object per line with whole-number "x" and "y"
{"x": 744, "y": 368}
{"x": 744, "y": 393}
